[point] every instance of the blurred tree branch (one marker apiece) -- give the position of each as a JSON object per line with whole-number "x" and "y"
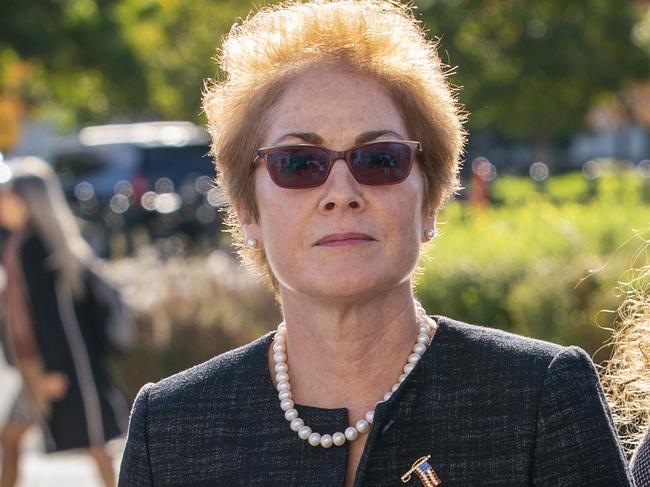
{"x": 531, "y": 68}
{"x": 78, "y": 63}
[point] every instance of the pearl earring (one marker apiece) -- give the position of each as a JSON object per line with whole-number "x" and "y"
{"x": 430, "y": 233}
{"x": 251, "y": 243}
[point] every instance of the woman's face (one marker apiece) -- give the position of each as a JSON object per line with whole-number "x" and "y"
{"x": 341, "y": 239}
{"x": 13, "y": 213}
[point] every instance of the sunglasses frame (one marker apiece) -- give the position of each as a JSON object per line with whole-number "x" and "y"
{"x": 262, "y": 153}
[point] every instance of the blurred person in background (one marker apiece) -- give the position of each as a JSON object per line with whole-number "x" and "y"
{"x": 337, "y": 139}
{"x": 55, "y": 311}
{"x": 627, "y": 375}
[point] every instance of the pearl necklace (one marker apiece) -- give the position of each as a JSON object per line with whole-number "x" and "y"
{"x": 425, "y": 334}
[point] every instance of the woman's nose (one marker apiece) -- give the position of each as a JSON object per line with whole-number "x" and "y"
{"x": 342, "y": 191}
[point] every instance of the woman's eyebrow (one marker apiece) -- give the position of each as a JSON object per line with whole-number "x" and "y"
{"x": 309, "y": 137}
{"x": 375, "y": 134}
{"x": 314, "y": 138}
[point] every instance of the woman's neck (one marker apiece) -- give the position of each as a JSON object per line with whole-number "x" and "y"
{"x": 343, "y": 354}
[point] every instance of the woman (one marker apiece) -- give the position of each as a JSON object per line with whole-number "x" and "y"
{"x": 627, "y": 375}
{"x": 55, "y": 315}
{"x": 337, "y": 139}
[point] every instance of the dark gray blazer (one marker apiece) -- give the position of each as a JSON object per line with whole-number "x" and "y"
{"x": 641, "y": 462}
{"x": 491, "y": 408}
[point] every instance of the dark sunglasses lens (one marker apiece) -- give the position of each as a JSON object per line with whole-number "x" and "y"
{"x": 382, "y": 163}
{"x": 297, "y": 167}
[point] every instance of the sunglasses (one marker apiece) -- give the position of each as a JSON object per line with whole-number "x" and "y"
{"x": 307, "y": 166}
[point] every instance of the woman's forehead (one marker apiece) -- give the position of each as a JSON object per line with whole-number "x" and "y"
{"x": 335, "y": 106}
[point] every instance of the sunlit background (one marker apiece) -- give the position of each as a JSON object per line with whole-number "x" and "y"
{"x": 556, "y": 177}
{"x": 557, "y": 171}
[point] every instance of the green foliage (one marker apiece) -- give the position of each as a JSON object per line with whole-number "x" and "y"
{"x": 81, "y": 67}
{"x": 618, "y": 185}
{"x": 175, "y": 43}
{"x": 539, "y": 264}
{"x": 533, "y": 68}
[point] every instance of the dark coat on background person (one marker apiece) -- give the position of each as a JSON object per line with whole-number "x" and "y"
{"x": 71, "y": 337}
{"x": 3, "y": 237}
{"x": 489, "y": 407}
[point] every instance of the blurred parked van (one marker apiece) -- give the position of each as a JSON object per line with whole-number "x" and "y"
{"x": 155, "y": 174}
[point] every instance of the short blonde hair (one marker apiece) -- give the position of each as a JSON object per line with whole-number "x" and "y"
{"x": 379, "y": 38}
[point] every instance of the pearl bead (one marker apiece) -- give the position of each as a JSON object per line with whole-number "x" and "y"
{"x": 408, "y": 368}
{"x": 282, "y": 326}
{"x": 326, "y": 441}
{"x": 286, "y": 404}
{"x": 314, "y": 439}
{"x": 290, "y": 414}
{"x": 279, "y": 347}
{"x": 279, "y": 357}
{"x": 362, "y": 426}
{"x": 395, "y": 387}
{"x": 283, "y": 386}
{"x": 296, "y": 424}
{"x": 281, "y": 376}
{"x": 282, "y": 395}
{"x": 338, "y": 438}
{"x": 370, "y": 417}
{"x": 424, "y": 330}
{"x": 280, "y": 338}
{"x": 422, "y": 338}
{"x": 387, "y": 396}
{"x": 401, "y": 378}
{"x": 351, "y": 433}
{"x": 281, "y": 368}
{"x": 419, "y": 348}
{"x": 414, "y": 358}
{"x": 304, "y": 432}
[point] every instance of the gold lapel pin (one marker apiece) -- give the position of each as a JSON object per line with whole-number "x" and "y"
{"x": 424, "y": 471}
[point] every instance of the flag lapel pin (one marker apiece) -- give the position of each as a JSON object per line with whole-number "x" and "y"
{"x": 424, "y": 471}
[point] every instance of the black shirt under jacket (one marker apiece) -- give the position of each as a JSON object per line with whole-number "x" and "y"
{"x": 491, "y": 408}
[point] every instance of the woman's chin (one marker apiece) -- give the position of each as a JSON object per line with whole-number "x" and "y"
{"x": 348, "y": 286}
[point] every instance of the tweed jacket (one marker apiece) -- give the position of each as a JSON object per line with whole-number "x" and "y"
{"x": 641, "y": 462}
{"x": 489, "y": 407}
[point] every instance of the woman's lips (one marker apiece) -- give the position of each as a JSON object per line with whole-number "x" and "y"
{"x": 344, "y": 239}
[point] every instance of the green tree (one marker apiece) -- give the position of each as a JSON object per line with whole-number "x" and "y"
{"x": 107, "y": 60}
{"x": 78, "y": 66}
{"x": 528, "y": 68}
{"x": 531, "y": 68}
{"x": 175, "y": 42}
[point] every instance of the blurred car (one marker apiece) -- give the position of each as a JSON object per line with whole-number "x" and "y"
{"x": 156, "y": 174}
